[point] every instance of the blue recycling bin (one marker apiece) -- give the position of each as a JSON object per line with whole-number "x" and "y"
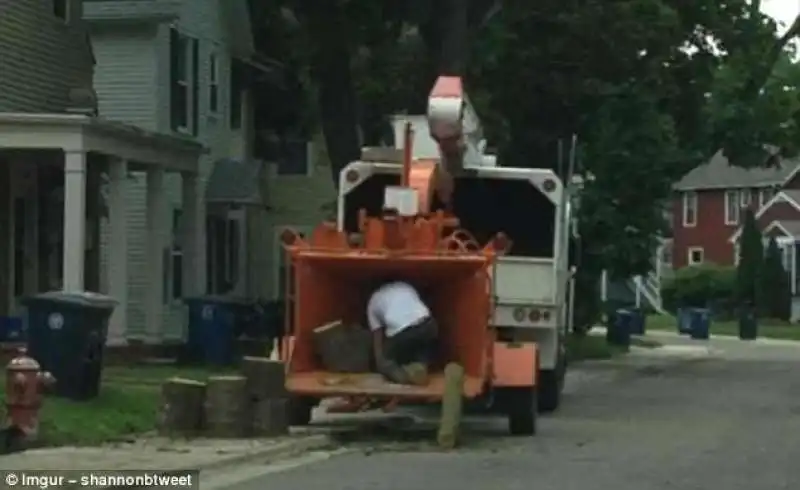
{"x": 11, "y": 329}
{"x": 212, "y": 330}
{"x": 618, "y": 331}
{"x": 700, "y": 323}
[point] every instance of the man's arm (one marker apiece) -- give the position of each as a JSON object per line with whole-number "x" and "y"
{"x": 376, "y": 326}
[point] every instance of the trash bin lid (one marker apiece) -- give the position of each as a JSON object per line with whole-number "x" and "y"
{"x": 82, "y": 298}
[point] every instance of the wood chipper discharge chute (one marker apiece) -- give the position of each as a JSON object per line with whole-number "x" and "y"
{"x": 333, "y": 279}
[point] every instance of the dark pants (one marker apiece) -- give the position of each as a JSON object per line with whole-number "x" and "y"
{"x": 416, "y": 343}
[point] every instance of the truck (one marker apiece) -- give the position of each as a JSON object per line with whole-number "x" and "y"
{"x": 424, "y": 209}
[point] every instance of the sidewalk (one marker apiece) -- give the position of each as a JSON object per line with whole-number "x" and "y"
{"x": 674, "y": 335}
{"x": 158, "y": 454}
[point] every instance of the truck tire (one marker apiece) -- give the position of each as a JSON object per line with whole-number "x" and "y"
{"x": 299, "y": 410}
{"x": 522, "y": 410}
{"x": 551, "y": 386}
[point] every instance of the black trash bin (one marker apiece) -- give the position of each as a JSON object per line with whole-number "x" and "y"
{"x": 215, "y": 322}
{"x": 748, "y": 323}
{"x": 619, "y": 330}
{"x": 67, "y": 333}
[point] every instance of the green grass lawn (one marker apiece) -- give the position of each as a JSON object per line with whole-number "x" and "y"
{"x": 128, "y": 405}
{"x": 773, "y": 329}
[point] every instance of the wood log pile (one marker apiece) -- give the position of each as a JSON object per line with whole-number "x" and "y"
{"x": 343, "y": 347}
{"x": 253, "y": 403}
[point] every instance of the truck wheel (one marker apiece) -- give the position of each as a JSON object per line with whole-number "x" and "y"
{"x": 299, "y": 410}
{"x": 522, "y": 411}
{"x": 551, "y": 385}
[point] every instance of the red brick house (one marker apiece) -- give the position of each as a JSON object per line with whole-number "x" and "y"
{"x": 780, "y": 219}
{"x": 709, "y": 202}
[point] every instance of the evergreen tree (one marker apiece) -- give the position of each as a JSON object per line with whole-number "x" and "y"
{"x": 751, "y": 260}
{"x": 775, "y": 291}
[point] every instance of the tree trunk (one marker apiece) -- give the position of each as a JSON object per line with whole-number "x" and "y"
{"x": 330, "y": 68}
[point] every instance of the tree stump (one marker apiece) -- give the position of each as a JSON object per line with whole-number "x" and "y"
{"x": 271, "y": 417}
{"x": 227, "y": 407}
{"x": 181, "y": 407}
{"x": 343, "y": 348}
{"x": 452, "y": 400}
{"x": 265, "y": 378}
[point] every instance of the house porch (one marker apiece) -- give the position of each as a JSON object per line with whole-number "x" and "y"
{"x": 61, "y": 175}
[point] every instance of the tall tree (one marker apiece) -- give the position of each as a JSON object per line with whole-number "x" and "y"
{"x": 751, "y": 261}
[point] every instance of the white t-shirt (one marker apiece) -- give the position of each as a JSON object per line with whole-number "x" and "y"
{"x": 395, "y": 306}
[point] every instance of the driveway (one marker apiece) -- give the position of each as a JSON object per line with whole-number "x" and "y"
{"x": 688, "y": 417}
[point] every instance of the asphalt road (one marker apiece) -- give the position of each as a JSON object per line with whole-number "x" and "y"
{"x": 726, "y": 422}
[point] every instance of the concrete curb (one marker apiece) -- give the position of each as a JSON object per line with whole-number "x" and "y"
{"x": 278, "y": 451}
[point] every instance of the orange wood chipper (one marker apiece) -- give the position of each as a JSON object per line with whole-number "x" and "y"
{"x": 485, "y": 246}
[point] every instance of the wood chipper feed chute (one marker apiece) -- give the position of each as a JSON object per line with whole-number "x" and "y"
{"x": 332, "y": 280}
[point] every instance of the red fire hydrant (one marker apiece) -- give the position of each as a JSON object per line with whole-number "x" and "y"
{"x": 25, "y": 387}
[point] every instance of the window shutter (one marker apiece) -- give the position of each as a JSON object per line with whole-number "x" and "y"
{"x": 195, "y": 85}
{"x": 174, "y": 70}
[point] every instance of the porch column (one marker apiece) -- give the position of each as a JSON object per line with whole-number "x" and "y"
{"x": 793, "y": 265}
{"x": 117, "y": 268}
{"x": 31, "y": 238}
{"x": 6, "y": 234}
{"x": 192, "y": 237}
{"x": 74, "y": 220}
{"x": 156, "y": 243}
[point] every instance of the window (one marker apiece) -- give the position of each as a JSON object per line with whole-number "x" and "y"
{"x": 695, "y": 255}
{"x": 745, "y": 197}
{"x": 224, "y": 241}
{"x": 294, "y": 158}
{"x": 765, "y": 195}
{"x": 173, "y": 262}
{"x": 732, "y": 207}
{"x": 689, "y": 209}
{"x": 213, "y": 83}
{"x": 236, "y": 86}
{"x": 183, "y": 82}
{"x": 61, "y": 9}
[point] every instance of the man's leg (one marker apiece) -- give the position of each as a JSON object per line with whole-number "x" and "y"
{"x": 398, "y": 350}
{"x": 426, "y": 342}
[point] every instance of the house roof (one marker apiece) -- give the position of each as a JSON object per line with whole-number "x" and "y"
{"x": 235, "y": 181}
{"x": 789, "y": 196}
{"x": 790, "y": 227}
{"x": 719, "y": 174}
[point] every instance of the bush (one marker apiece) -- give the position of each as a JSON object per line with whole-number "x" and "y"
{"x": 701, "y": 286}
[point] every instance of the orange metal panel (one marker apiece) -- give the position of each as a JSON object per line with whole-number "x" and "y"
{"x": 515, "y": 364}
{"x": 327, "y": 384}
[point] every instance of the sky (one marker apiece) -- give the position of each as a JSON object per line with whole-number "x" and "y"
{"x": 783, "y": 11}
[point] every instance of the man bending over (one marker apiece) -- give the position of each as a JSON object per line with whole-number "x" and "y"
{"x": 403, "y": 330}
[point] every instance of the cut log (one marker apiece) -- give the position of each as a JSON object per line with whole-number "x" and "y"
{"x": 227, "y": 407}
{"x": 181, "y": 407}
{"x": 452, "y": 399}
{"x": 343, "y": 348}
{"x": 265, "y": 378}
{"x": 271, "y": 417}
